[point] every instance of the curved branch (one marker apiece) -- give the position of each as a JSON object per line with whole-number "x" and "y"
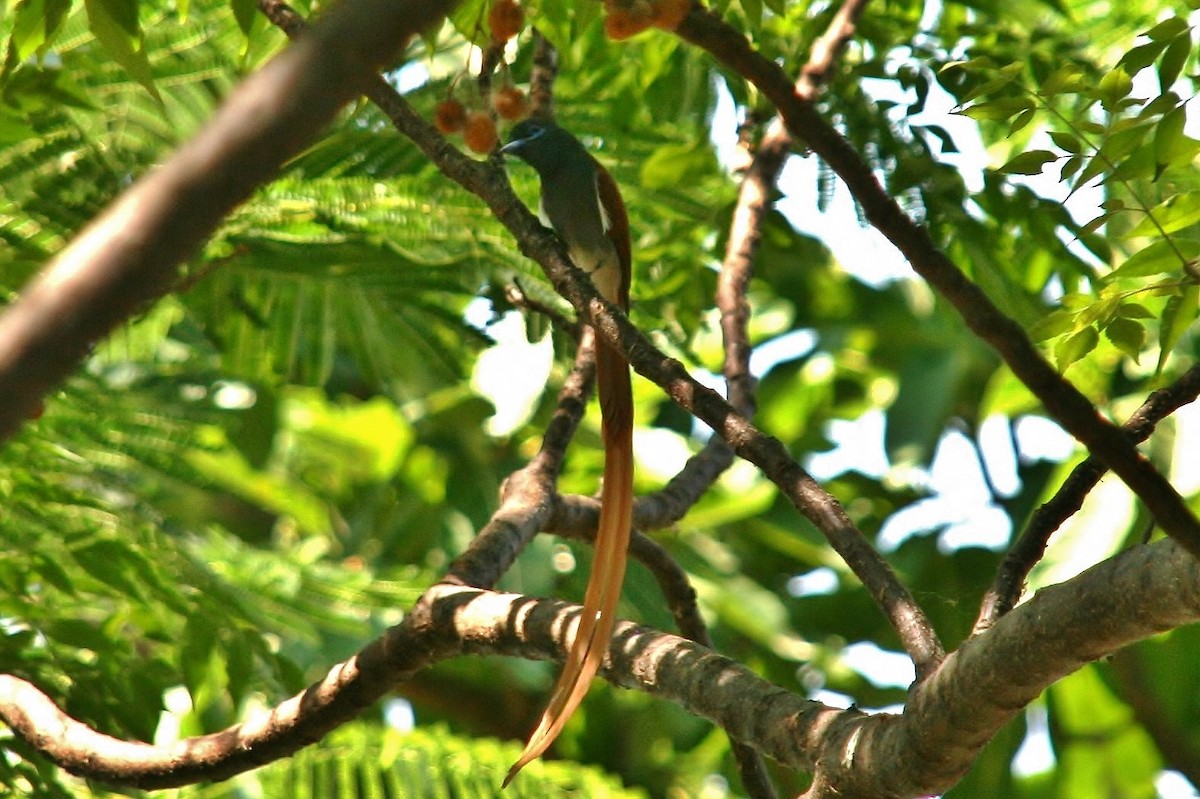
{"x": 923, "y": 751}
{"x": 1061, "y": 399}
{"x": 129, "y": 255}
{"x": 666, "y": 507}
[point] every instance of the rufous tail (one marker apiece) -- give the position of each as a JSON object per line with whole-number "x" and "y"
{"x": 608, "y": 570}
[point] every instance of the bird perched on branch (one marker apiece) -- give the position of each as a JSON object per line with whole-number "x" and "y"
{"x": 581, "y": 202}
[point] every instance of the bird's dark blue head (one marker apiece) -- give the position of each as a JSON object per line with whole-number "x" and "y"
{"x": 543, "y": 145}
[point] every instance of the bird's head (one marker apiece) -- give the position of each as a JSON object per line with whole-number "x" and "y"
{"x": 543, "y": 145}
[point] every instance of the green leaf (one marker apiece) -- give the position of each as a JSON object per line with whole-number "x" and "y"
{"x": 1168, "y": 29}
{"x": 942, "y": 135}
{"x": 1158, "y": 258}
{"x": 1004, "y": 77}
{"x": 79, "y": 633}
{"x": 1075, "y": 346}
{"x": 34, "y": 25}
{"x": 124, "y": 13}
{"x": 1171, "y": 146}
{"x": 1052, "y": 325}
{"x": 14, "y": 128}
{"x": 1065, "y": 79}
{"x": 997, "y": 110}
{"x": 1178, "y": 316}
{"x": 1023, "y": 119}
{"x": 1029, "y": 163}
{"x": 114, "y": 23}
{"x": 1134, "y": 310}
{"x": 1114, "y": 87}
{"x": 1070, "y": 167}
{"x": 1090, "y": 724}
{"x": 677, "y": 165}
{"x": 245, "y": 12}
{"x": 113, "y": 563}
{"x": 754, "y": 11}
{"x": 1128, "y": 335}
{"x": 1172, "y": 215}
{"x": 1141, "y": 56}
{"x": 1066, "y": 141}
{"x": 1095, "y": 166}
{"x": 1172, "y": 62}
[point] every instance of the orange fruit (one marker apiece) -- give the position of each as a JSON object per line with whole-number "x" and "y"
{"x": 510, "y": 103}
{"x": 505, "y": 19}
{"x": 449, "y": 116}
{"x": 480, "y": 132}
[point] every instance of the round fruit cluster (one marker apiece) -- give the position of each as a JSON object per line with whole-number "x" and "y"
{"x": 478, "y": 126}
{"x": 506, "y": 18}
{"x": 625, "y": 18}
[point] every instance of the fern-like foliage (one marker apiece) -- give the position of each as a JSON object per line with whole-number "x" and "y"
{"x": 366, "y": 761}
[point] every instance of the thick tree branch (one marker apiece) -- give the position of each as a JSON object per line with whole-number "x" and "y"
{"x": 129, "y": 255}
{"x": 1029, "y": 547}
{"x": 947, "y": 720}
{"x": 1061, "y": 399}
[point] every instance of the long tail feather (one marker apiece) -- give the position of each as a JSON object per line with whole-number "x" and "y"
{"x": 592, "y": 637}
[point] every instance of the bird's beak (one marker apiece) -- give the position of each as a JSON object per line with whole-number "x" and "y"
{"x": 513, "y": 147}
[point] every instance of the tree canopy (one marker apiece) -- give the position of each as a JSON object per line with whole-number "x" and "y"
{"x": 291, "y": 382}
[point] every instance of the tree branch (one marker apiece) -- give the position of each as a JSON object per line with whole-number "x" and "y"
{"x": 920, "y": 640}
{"x": 1061, "y": 399}
{"x": 1029, "y": 547}
{"x": 529, "y": 499}
{"x": 946, "y": 722}
{"x": 827, "y": 47}
{"x": 128, "y": 256}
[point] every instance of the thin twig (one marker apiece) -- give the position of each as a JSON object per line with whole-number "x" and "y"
{"x": 1028, "y": 550}
{"x": 916, "y": 632}
{"x": 825, "y": 50}
{"x": 528, "y": 497}
{"x": 542, "y": 76}
{"x": 515, "y": 293}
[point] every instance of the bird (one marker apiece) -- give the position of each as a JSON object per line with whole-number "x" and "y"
{"x": 581, "y": 203}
